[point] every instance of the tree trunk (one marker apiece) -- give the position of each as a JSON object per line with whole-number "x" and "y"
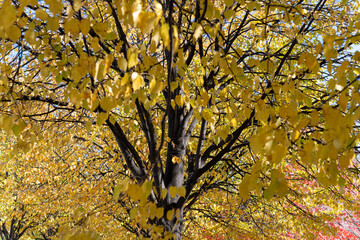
{"x": 173, "y": 227}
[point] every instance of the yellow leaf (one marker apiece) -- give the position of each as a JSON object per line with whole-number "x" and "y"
{"x": 257, "y": 143}
{"x": 357, "y": 25}
{"x": 176, "y": 159}
{"x": 146, "y": 187}
{"x": 74, "y": 97}
{"x": 94, "y": 104}
{"x": 164, "y": 33}
{"x": 107, "y": 103}
{"x": 135, "y": 192}
{"x": 329, "y": 52}
{"x": 181, "y": 191}
{"x": 207, "y": 115}
{"x": 101, "y": 28}
{"x": 223, "y": 131}
{"x": 229, "y": 3}
{"x": 9, "y": 16}
{"x": 216, "y": 58}
{"x": 205, "y": 96}
{"x": 137, "y": 81}
{"x": 72, "y": 26}
{"x": 253, "y": 62}
{"x": 21, "y": 22}
{"x": 84, "y": 26}
{"x": 172, "y": 191}
{"x": 55, "y": 6}
{"x": 279, "y": 180}
{"x": 124, "y": 80}
{"x": 170, "y": 214}
{"x": 244, "y": 188}
{"x": 311, "y": 62}
{"x": 179, "y": 100}
{"x": 88, "y": 126}
{"x": 13, "y": 33}
{"x": 132, "y": 55}
{"x": 53, "y": 23}
{"x": 173, "y": 85}
{"x": 41, "y": 14}
{"x": 77, "y": 5}
{"x": 332, "y": 116}
{"x": 198, "y": 31}
{"x": 341, "y": 184}
{"x": 159, "y": 212}
{"x": 290, "y": 111}
{"x": 318, "y": 48}
{"x": 158, "y": 229}
{"x": 17, "y": 129}
{"x": 117, "y": 191}
{"x": 122, "y": 63}
{"x": 101, "y": 118}
{"x": 233, "y": 123}
{"x": 357, "y": 70}
{"x": 146, "y": 21}
{"x": 99, "y": 70}
{"x": 158, "y": 9}
{"x": 164, "y": 192}
{"x": 22, "y": 145}
{"x": 136, "y": 10}
{"x": 152, "y": 210}
{"x": 306, "y": 153}
{"x": 332, "y": 172}
{"x": 152, "y": 86}
{"x": 344, "y": 160}
{"x": 133, "y": 213}
{"x": 175, "y": 38}
{"x": 323, "y": 179}
{"x": 108, "y": 61}
{"x": 279, "y": 152}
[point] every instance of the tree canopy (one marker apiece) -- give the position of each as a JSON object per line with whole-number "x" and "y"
{"x": 178, "y": 119}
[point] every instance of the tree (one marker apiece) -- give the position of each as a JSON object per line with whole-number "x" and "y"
{"x": 190, "y": 103}
{"x": 50, "y": 187}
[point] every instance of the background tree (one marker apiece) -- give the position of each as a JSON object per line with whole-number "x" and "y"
{"x": 52, "y": 187}
{"x": 194, "y": 101}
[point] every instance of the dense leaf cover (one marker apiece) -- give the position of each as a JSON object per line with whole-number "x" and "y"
{"x": 197, "y": 119}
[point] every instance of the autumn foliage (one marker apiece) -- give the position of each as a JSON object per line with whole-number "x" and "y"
{"x": 170, "y": 119}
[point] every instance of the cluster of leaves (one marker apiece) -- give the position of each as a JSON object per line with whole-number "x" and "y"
{"x": 53, "y": 188}
{"x": 177, "y": 118}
